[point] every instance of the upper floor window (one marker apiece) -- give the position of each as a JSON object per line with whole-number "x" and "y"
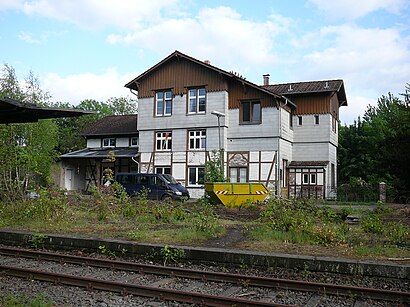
{"x": 163, "y": 103}
{"x": 197, "y": 139}
{"x": 316, "y": 119}
{"x": 164, "y": 141}
{"x": 134, "y": 142}
{"x": 197, "y": 100}
{"x": 251, "y": 112}
{"x": 300, "y": 120}
{"x": 108, "y": 142}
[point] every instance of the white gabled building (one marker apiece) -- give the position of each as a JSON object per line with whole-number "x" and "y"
{"x": 283, "y": 135}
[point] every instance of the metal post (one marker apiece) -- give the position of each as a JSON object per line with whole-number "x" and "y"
{"x": 219, "y": 131}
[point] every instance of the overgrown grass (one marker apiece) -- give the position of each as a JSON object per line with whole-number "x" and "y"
{"x": 301, "y": 222}
{"x": 109, "y": 212}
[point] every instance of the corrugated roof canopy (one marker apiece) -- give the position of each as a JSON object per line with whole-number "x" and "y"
{"x": 98, "y": 153}
{"x": 14, "y": 111}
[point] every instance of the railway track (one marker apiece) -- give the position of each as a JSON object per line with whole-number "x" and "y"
{"x": 161, "y": 291}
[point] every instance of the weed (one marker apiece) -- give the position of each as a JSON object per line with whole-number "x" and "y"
{"x": 204, "y": 223}
{"x": 328, "y": 235}
{"x": 171, "y": 254}
{"x": 39, "y": 300}
{"x": 372, "y": 224}
{"x": 37, "y": 240}
{"x": 103, "y": 250}
{"x": 397, "y": 233}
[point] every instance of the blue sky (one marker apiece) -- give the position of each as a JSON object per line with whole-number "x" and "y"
{"x": 88, "y": 49}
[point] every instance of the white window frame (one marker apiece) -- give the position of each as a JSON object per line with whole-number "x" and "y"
{"x": 197, "y": 169}
{"x": 161, "y": 169}
{"x": 132, "y": 141}
{"x": 238, "y": 174}
{"x": 198, "y": 138}
{"x": 163, "y": 138}
{"x": 108, "y": 142}
{"x": 166, "y": 100}
{"x": 196, "y": 98}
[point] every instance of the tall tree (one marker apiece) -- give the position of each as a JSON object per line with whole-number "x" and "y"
{"x": 377, "y": 148}
{"x": 27, "y": 151}
{"x": 70, "y": 128}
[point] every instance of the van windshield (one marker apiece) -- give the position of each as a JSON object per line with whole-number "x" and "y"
{"x": 169, "y": 179}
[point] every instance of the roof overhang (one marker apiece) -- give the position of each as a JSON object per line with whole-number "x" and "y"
{"x": 14, "y": 111}
{"x": 308, "y": 164}
{"x": 98, "y": 153}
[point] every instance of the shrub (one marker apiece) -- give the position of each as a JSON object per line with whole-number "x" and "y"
{"x": 397, "y": 233}
{"x": 372, "y": 224}
{"x": 328, "y": 235}
{"x": 287, "y": 215}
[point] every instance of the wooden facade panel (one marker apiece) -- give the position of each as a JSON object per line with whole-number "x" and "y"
{"x": 179, "y": 74}
{"x": 312, "y": 104}
{"x": 334, "y": 106}
{"x": 239, "y": 92}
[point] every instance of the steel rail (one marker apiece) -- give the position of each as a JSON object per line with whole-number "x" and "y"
{"x": 124, "y": 288}
{"x": 269, "y": 282}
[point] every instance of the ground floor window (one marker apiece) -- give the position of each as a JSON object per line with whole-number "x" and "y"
{"x": 163, "y": 170}
{"x": 196, "y": 175}
{"x": 238, "y": 174}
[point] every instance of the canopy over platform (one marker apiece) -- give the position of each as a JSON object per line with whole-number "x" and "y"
{"x": 14, "y": 111}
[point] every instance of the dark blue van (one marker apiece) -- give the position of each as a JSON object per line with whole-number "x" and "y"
{"x": 158, "y": 186}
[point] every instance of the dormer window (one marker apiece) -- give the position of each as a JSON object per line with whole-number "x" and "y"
{"x": 108, "y": 142}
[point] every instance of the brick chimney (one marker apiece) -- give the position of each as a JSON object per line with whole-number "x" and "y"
{"x": 266, "y": 79}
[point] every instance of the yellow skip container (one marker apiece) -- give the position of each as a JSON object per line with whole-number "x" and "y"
{"x": 236, "y": 194}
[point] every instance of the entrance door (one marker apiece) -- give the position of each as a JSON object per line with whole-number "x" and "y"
{"x": 68, "y": 179}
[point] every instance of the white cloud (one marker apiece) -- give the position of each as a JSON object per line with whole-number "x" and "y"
{"x": 352, "y": 9}
{"x": 356, "y": 107}
{"x": 218, "y": 34}
{"x": 75, "y": 88}
{"x": 371, "y": 59}
{"x": 10, "y": 4}
{"x": 126, "y": 14}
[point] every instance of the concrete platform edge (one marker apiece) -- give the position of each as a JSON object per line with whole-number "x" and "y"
{"x": 197, "y": 254}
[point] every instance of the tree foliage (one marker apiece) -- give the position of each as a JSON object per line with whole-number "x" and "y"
{"x": 69, "y": 137}
{"x": 377, "y": 147}
{"x": 27, "y": 151}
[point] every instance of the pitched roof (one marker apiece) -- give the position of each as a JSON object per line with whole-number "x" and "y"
{"x": 308, "y": 164}
{"x": 133, "y": 84}
{"x": 323, "y": 86}
{"x": 113, "y": 125}
{"x": 14, "y": 111}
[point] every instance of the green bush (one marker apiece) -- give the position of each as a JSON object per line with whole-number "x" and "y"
{"x": 287, "y": 215}
{"x": 372, "y": 224}
{"x": 397, "y": 233}
{"x": 328, "y": 235}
